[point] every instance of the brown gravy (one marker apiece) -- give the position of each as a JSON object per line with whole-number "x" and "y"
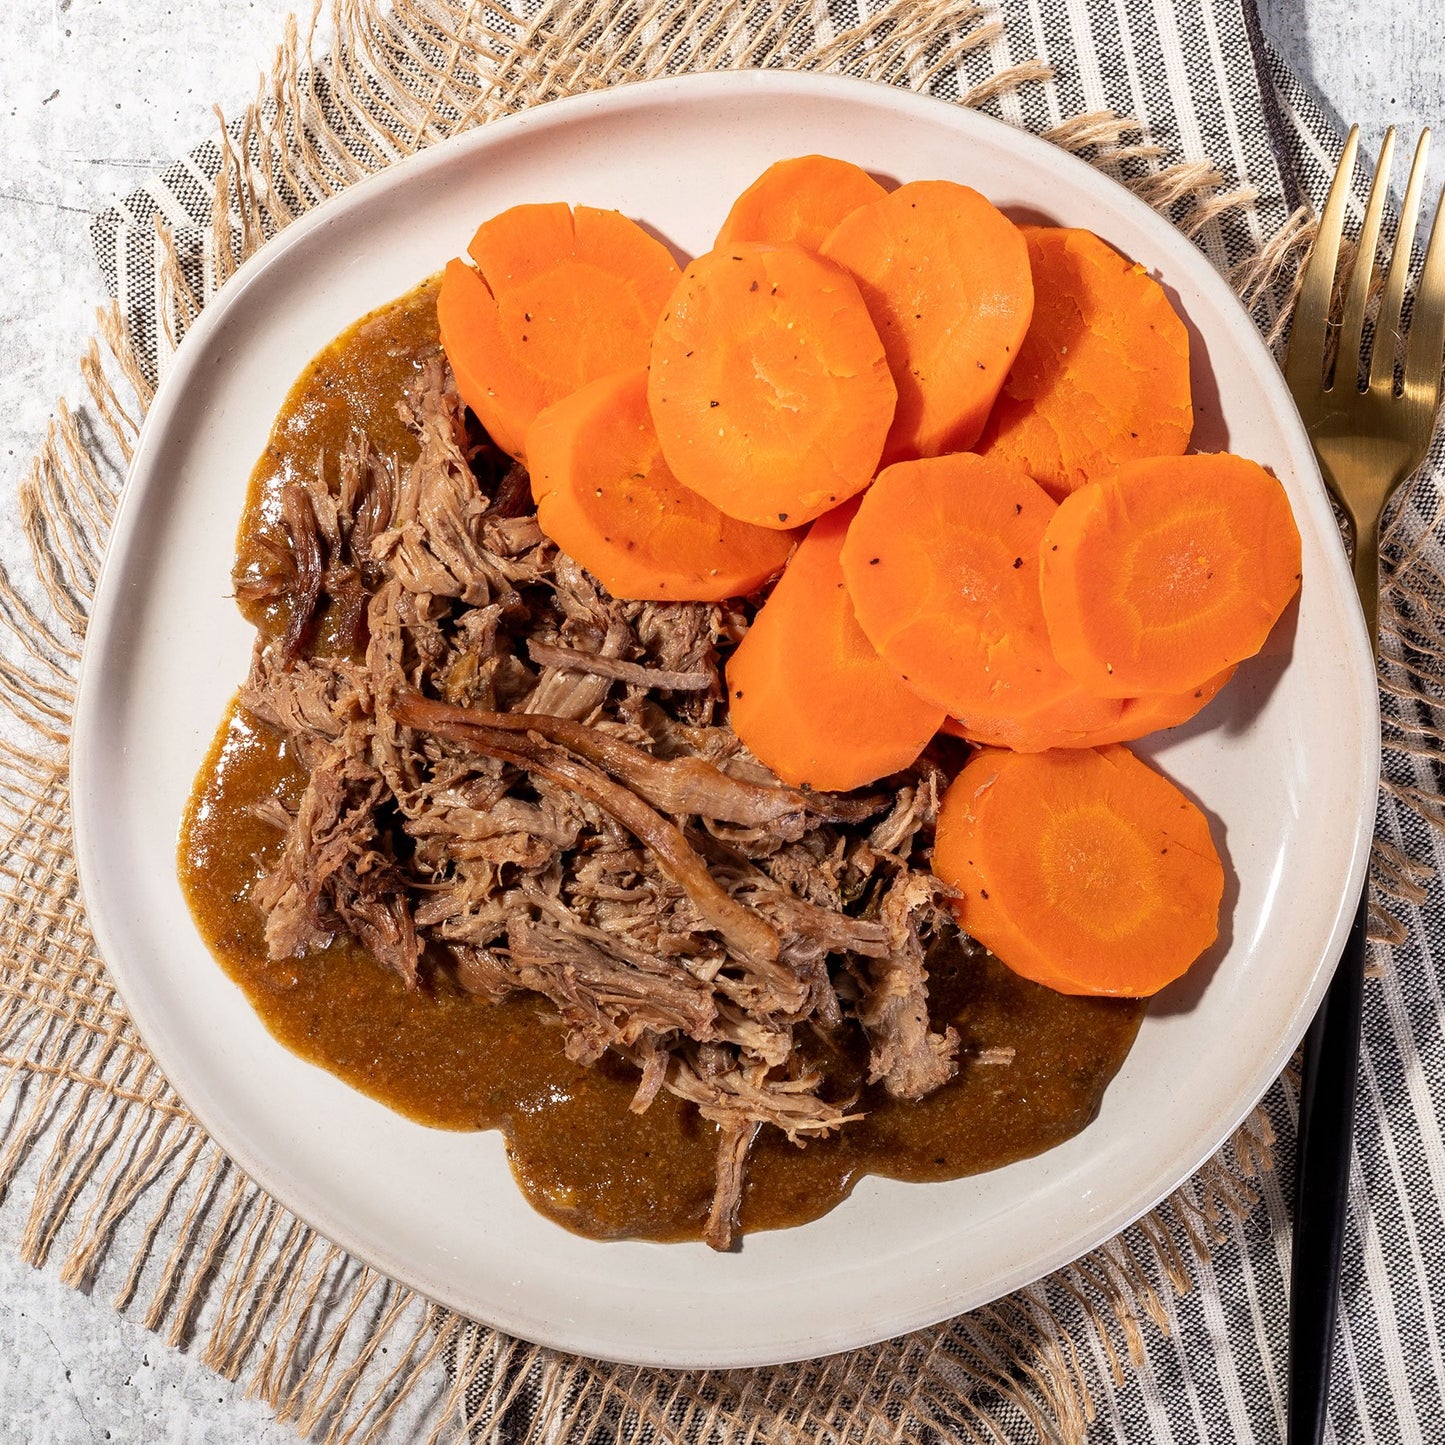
{"x": 453, "y": 1061}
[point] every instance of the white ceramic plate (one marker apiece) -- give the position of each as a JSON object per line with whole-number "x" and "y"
{"x": 1285, "y": 766}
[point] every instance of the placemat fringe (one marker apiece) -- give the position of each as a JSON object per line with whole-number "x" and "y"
{"x": 302, "y": 1288}
{"x": 120, "y": 1192}
{"x": 1268, "y": 281}
{"x": 82, "y": 1139}
{"x": 224, "y": 1349}
{"x": 416, "y": 1362}
{"x": 295, "y": 1406}
{"x": 169, "y": 1285}
{"x": 333, "y": 1392}
{"x": 183, "y": 1170}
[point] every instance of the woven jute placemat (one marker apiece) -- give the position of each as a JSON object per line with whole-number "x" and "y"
{"x": 121, "y": 1186}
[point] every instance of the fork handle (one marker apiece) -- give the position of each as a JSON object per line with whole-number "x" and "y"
{"x": 1322, "y": 1186}
{"x": 1366, "y": 566}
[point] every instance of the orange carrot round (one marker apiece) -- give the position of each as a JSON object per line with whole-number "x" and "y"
{"x": 1144, "y": 715}
{"x": 798, "y": 200}
{"x": 505, "y": 395}
{"x": 946, "y": 278}
{"x": 1062, "y": 719}
{"x": 561, "y": 297}
{"x": 1166, "y": 573}
{"x": 1081, "y": 868}
{"x": 806, "y": 691}
{"x": 1055, "y": 726}
{"x": 605, "y": 495}
{"x": 942, "y": 566}
{"x": 1102, "y": 376}
{"x": 769, "y": 386}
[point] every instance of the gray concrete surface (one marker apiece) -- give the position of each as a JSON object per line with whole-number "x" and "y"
{"x": 1376, "y": 65}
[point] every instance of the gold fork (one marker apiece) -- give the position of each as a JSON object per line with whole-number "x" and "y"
{"x": 1367, "y": 442}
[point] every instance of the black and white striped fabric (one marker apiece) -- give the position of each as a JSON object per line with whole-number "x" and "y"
{"x": 1200, "y": 77}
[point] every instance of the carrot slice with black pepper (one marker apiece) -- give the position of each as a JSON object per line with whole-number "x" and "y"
{"x": 942, "y": 566}
{"x": 800, "y": 200}
{"x": 946, "y": 278}
{"x": 1144, "y": 715}
{"x": 806, "y": 691}
{"x": 561, "y": 297}
{"x": 1138, "y": 717}
{"x": 605, "y": 495}
{"x": 1082, "y": 869}
{"x": 504, "y": 393}
{"x": 1168, "y": 572}
{"x": 768, "y": 385}
{"x": 1102, "y": 376}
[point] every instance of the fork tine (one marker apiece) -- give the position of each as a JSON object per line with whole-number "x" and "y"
{"x": 1304, "y": 362}
{"x": 1427, "y": 323}
{"x": 1392, "y": 301}
{"x": 1352, "y": 329}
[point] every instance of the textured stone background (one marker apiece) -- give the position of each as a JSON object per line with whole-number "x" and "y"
{"x": 93, "y": 95}
{"x": 1377, "y": 64}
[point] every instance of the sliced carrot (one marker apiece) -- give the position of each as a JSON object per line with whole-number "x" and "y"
{"x": 1055, "y": 727}
{"x": 1168, "y": 572}
{"x": 798, "y": 200}
{"x": 1144, "y": 715}
{"x": 769, "y": 386}
{"x": 1081, "y": 868}
{"x": 504, "y": 394}
{"x": 605, "y": 495}
{"x": 806, "y": 691}
{"x": 946, "y": 278}
{"x": 596, "y": 270}
{"x": 1057, "y": 721}
{"x": 942, "y": 567}
{"x": 563, "y": 297}
{"x": 1102, "y": 376}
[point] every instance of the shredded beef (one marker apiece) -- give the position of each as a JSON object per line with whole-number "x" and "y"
{"x": 908, "y": 1057}
{"x": 335, "y": 871}
{"x": 518, "y": 778}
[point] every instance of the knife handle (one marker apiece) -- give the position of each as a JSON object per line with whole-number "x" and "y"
{"x": 1322, "y": 1185}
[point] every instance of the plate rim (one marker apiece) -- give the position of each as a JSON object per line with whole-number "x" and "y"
{"x": 559, "y": 114}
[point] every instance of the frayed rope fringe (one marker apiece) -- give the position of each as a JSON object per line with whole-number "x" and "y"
{"x": 114, "y": 1164}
